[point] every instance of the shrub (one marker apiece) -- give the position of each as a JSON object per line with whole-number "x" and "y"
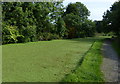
{"x": 81, "y": 34}
{"x": 10, "y": 34}
{"x": 20, "y": 39}
{"x": 47, "y": 36}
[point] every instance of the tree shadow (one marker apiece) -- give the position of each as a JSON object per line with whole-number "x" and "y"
{"x": 88, "y": 39}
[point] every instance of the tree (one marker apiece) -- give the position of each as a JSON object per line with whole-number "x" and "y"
{"x": 77, "y": 9}
{"x": 89, "y": 28}
{"x": 111, "y": 19}
{"x": 61, "y": 29}
{"x": 106, "y": 22}
{"x": 115, "y": 18}
{"x": 72, "y": 23}
{"x": 33, "y": 21}
{"x": 10, "y": 34}
{"x": 76, "y": 20}
{"x": 99, "y": 25}
{"x": 19, "y": 14}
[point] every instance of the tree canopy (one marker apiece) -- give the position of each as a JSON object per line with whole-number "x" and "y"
{"x": 111, "y": 19}
{"x": 28, "y": 21}
{"x": 76, "y": 19}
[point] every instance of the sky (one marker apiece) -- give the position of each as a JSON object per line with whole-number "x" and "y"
{"x": 96, "y": 7}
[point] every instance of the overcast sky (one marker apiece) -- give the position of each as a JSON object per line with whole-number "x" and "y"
{"x": 96, "y": 7}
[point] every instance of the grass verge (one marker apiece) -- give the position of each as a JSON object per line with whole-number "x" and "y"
{"x": 89, "y": 70}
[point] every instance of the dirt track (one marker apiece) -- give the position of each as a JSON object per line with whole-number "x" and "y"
{"x": 111, "y": 64}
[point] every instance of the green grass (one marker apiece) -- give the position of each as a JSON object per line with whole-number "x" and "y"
{"x": 48, "y": 61}
{"x": 89, "y": 70}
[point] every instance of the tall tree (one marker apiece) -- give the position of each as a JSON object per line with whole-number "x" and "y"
{"x": 76, "y": 17}
{"x": 61, "y": 29}
{"x": 111, "y": 19}
{"x": 77, "y": 9}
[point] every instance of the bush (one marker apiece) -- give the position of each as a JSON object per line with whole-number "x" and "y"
{"x": 20, "y": 39}
{"x": 47, "y": 36}
{"x": 81, "y": 34}
{"x": 54, "y": 36}
{"x": 5, "y": 39}
{"x": 9, "y": 34}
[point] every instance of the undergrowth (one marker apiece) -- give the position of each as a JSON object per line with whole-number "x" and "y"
{"x": 116, "y": 45}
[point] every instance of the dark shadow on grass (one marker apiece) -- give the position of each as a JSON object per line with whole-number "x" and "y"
{"x": 88, "y": 39}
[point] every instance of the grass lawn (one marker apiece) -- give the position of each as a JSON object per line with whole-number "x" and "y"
{"x": 44, "y": 61}
{"x": 89, "y": 70}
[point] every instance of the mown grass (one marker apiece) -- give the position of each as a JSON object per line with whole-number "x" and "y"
{"x": 89, "y": 70}
{"x": 49, "y": 61}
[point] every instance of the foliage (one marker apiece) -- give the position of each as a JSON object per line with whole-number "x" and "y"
{"x": 78, "y": 27}
{"x": 30, "y": 33}
{"x": 116, "y": 44}
{"x": 72, "y": 22}
{"x": 77, "y": 9}
{"x": 111, "y": 19}
{"x": 32, "y": 19}
{"x": 10, "y": 34}
{"x": 77, "y": 22}
{"x": 99, "y": 26}
{"x": 47, "y": 36}
{"x": 45, "y": 21}
{"x": 61, "y": 28}
{"x": 89, "y": 28}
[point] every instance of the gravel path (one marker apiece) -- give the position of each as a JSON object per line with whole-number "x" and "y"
{"x": 111, "y": 64}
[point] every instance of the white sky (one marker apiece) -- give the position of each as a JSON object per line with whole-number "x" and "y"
{"x": 96, "y": 7}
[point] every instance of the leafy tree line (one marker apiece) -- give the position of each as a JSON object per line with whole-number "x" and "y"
{"x": 36, "y": 21}
{"x": 111, "y": 20}
{"x": 77, "y": 22}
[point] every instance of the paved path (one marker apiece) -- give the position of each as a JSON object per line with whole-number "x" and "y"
{"x": 111, "y": 65}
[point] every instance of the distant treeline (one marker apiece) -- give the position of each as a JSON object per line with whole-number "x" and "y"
{"x": 111, "y": 20}
{"x": 36, "y": 21}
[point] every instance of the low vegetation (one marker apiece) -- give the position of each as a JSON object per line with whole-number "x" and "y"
{"x": 44, "y": 61}
{"x": 89, "y": 70}
{"x": 116, "y": 44}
